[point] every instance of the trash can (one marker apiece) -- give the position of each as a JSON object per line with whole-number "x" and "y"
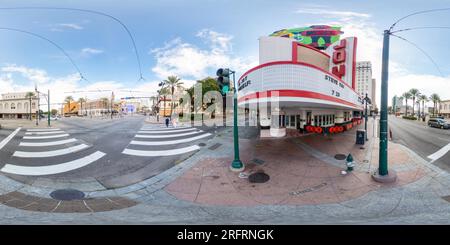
{"x": 360, "y": 136}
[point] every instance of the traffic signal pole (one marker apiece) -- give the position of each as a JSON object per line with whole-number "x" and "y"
{"x": 237, "y": 164}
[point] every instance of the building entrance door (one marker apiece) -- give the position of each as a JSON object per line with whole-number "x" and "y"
{"x": 308, "y": 118}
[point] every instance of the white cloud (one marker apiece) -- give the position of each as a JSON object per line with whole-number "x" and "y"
{"x": 71, "y": 26}
{"x": 90, "y": 51}
{"x": 191, "y": 62}
{"x": 37, "y": 75}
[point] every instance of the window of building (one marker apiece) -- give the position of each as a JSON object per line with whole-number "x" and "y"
{"x": 13, "y": 106}
{"x": 292, "y": 121}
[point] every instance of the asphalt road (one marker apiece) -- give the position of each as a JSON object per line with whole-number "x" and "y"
{"x": 95, "y": 148}
{"x": 422, "y": 139}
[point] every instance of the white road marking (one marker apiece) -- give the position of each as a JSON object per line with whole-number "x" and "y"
{"x": 162, "y": 128}
{"x": 169, "y": 142}
{"x": 52, "y": 169}
{"x": 60, "y": 142}
{"x": 43, "y": 129}
{"x": 165, "y": 131}
{"x": 165, "y": 136}
{"x": 161, "y": 153}
{"x": 45, "y": 137}
{"x": 29, "y": 154}
{"x": 42, "y": 133}
{"x": 7, "y": 139}
{"x": 440, "y": 153}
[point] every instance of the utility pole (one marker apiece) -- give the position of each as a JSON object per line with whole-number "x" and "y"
{"x": 37, "y": 110}
{"x": 383, "y": 175}
{"x": 48, "y": 107}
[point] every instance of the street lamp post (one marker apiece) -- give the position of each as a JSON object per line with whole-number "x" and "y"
{"x": 383, "y": 175}
{"x": 366, "y": 100}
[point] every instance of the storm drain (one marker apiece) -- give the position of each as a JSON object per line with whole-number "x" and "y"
{"x": 258, "y": 178}
{"x": 340, "y": 156}
{"x": 215, "y": 146}
{"x": 201, "y": 144}
{"x": 258, "y": 161}
{"x": 67, "y": 195}
{"x": 446, "y": 198}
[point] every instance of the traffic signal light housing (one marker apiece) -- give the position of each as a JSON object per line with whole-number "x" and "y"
{"x": 223, "y": 80}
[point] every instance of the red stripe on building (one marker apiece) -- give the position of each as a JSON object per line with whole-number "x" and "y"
{"x": 295, "y": 93}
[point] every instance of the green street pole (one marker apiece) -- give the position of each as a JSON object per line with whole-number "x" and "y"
{"x": 237, "y": 164}
{"x": 383, "y": 175}
{"x": 48, "y": 107}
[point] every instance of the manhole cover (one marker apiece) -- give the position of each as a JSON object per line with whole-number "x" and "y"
{"x": 340, "y": 156}
{"x": 258, "y": 178}
{"x": 67, "y": 194}
{"x": 201, "y": 144}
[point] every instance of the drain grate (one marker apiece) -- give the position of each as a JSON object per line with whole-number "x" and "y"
{"x": 201, "y": 144}
{"x": 215, "y": 146}
{"x": 67, "y": 195}
{"x": 340, "y": 156}
{"x": 258, "y": 177}
{"x": 258, "y": 161}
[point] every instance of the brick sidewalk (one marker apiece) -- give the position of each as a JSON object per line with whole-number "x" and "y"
{"x": 297, "y": 176}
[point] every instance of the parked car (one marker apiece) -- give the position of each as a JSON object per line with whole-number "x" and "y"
{"x": 438, "y": 123}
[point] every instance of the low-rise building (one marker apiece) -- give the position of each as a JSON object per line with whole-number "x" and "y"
{"x": 18, "y": 106}
{"x": 444, "y": 108}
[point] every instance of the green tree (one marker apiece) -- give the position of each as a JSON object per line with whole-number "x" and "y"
{"x": 54, "y": 112}
{"x": 172, "y": 82}
{"x": 406, "y": 96}
{"x": 68, "y": 100}
{"x": 30, "y": 95}
{"x": 423, "y": 98}
{"x": 435, "y": 99}
{"x": 207, "y": 84}
{"x": 414, "y": 95}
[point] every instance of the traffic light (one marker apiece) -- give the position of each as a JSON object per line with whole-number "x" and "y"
{"x": 223, "y": 80}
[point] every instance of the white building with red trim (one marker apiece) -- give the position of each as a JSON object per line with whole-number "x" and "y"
{"x": 302, "y": 88}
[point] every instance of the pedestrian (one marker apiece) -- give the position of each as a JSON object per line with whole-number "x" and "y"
{"x": 174, "y": 122}
{"x": 167, "y": 122}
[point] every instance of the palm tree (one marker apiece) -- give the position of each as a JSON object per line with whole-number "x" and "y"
{"x": 163, "y": 92}
{"x": 414, "y": 94}
{"x": 173, "y": 82}
{"x": 436, "y": 99}
{"x": 68, "y": 99}
{"x": 406, "y": 96}
{"x": 30, "y": 95}
{"x": 423, "y": 98}
{"x": 81, "y": 101}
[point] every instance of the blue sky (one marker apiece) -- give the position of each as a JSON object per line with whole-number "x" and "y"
{"x": 191, "y": 39}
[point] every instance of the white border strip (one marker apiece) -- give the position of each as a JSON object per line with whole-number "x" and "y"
{"x": 7, "y": 139}
{"x": 43, "y": 133}
{"x": 44, "y": 137}
{"x": 51, "y": 143}
{"x": 43, "y": 129}
{"x": 30, "y": 154}
{"x": 161, "y": 153}
{"x": 164, "y": 128}
{"x": 170, "y": 142}
{"x": 165, "y": 136}
{"x": 52, "y": 169}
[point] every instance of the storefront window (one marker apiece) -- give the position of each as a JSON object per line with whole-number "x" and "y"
{"x": 292, "y": 121}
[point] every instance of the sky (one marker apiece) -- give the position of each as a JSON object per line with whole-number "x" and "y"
{"x": 191, "y": 39}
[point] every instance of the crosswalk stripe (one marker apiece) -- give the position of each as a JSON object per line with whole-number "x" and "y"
{"x": 43, "y": 133}
{"x": 52, "y": 169}
{"x": 43, "y": 129}
{"x": 160, "y": 153}
{"x": 164, "y": 128}
{"x": 440, "y": 153}
{"x": 30, "y": 154}
{"x": 51, "y": 143}
{"x": 146, "y": 131}
{"x": 169, "y": 142}
{"x": 45, "y": 137}
{"x": 7, "y": 139}
{"x": 165, "y": 136}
